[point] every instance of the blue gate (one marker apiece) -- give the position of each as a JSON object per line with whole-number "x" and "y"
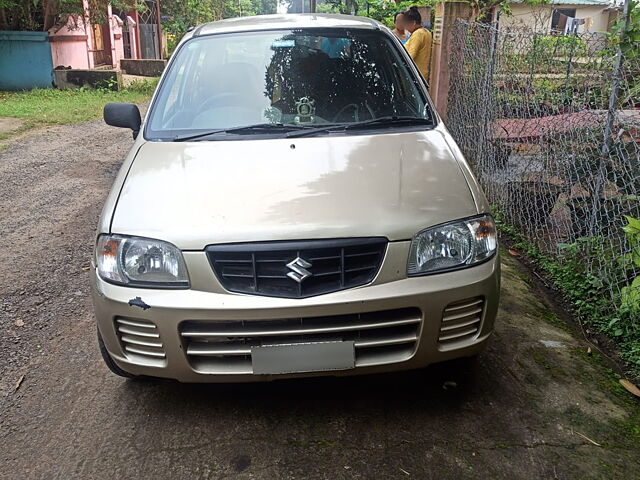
{"x": 25, "y": 60}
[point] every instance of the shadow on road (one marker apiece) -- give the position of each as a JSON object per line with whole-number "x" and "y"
{"x": 438, "y": 387}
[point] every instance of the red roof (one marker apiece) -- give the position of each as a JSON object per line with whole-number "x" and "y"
{"x": 528, "y": 128}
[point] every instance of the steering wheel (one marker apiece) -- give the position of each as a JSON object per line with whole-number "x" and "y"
{"x": 356, "y": 111}
{"x": 221, "y": 99}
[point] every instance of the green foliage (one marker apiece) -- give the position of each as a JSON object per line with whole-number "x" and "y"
{"x": 561, "y": 45}
{"x": 481, "y": 9}
{"x": 552, "y": 51}
{"x": 630, "y": 295}
{"x": 108, "y": 85}
{"x": 244, "y": 8}
{"x": 43, "y": 14}
{"x": 384, "y": 11}
{"x": 628, "y": 40}
{"x": 180, "y": 15}
{"x": 380, "y": 10}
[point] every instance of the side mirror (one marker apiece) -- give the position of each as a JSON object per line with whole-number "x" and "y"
{"x": 124, "y": 115}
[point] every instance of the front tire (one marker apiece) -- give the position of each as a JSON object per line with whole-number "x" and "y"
{"x": 111, "y": 365}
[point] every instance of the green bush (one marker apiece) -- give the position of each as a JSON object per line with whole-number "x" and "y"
{"x": 630, "y": 295}
{"x": 561, "y": 45}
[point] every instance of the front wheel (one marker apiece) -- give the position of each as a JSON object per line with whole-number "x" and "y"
{"x": 109, "y": 361}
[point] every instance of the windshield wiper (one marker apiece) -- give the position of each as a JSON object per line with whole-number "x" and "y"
{"x": 388, "y": 121}
{"x": 259, "y": 127}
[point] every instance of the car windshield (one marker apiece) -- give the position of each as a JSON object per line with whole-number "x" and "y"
{"x": 299, "y": 79}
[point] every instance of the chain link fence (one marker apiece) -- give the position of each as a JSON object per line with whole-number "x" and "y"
{"x": 551, "y": 126}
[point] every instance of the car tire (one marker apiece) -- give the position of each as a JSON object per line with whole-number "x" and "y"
{"x": 109, "y": 361}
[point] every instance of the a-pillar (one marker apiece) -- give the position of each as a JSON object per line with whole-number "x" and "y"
{"x": 445, "y": 17}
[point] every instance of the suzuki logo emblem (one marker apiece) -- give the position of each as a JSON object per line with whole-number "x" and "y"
{"x": 299, "y": 271}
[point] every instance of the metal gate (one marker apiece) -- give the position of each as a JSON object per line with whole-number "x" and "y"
{"x": 126, "y": 35}
{"x": 149, "y": 35}
{"x": 149, "y": 40}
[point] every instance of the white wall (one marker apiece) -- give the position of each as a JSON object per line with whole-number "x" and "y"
{"x": 539, "y": 17}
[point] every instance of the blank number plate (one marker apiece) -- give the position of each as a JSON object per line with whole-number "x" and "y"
{"x": 303, "y": 357}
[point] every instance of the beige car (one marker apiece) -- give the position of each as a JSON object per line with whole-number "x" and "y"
{"x": 292, "y": 206}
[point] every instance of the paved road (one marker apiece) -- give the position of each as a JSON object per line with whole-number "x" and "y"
{"x": 525, "y": 411}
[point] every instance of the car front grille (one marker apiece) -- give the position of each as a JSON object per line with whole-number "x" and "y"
{"x": 224, "y": 347}
{"x": 140, "y": 340}
{"x": 461, "y": 321}
{"x": 297, "y": 269}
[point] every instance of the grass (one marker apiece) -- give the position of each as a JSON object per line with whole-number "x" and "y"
{"x": 42, "y": 107}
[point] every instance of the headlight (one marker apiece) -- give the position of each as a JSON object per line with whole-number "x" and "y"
{"x": 453, "y": 245}
{"x": 143, "y": 262}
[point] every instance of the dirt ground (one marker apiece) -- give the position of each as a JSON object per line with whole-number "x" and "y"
{"x": 535, "y": 406}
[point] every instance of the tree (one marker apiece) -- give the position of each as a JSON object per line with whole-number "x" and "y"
{"x": 381, "y": 10}
{"x": 180, "y": 15}
{"x": 43, "y": 14}
{"x": 481, "y": 10}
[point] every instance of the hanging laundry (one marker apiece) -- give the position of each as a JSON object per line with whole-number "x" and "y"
{"x": 572, "y": 25}
{"x": 562, "y": 22}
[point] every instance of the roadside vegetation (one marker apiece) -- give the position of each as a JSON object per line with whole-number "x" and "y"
{"x": 42, "y": 107}
{"x": 587, "y": 293}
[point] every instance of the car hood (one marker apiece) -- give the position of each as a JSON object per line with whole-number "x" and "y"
{"x": 200, "y": 193}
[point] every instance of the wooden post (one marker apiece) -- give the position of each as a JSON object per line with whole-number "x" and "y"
{"x": 445, "y": 17}
{"x": 159, "y": 29}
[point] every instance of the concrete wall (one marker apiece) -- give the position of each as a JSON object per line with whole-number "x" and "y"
{"x": 70, "y": 44}
{"x": 118, "y": 42}
{"x": 25, "y": 60}
{"x": 114, "y": 25}
{"x": 145, "y": 68}
{"x": 539, "y": 17}
{"x": 70, "y": 79}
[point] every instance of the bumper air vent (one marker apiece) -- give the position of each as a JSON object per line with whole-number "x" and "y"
{"x": 140, "y": 340}
{"x": 461, "y": 321}
{"x": 224, "y": 347}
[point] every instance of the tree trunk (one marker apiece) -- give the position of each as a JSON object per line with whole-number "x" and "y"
{"x": 48, "y": 17}
{"x": 3, "y": 20}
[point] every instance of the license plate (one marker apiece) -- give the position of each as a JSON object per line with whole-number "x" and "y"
{"x": 302, "y": 357}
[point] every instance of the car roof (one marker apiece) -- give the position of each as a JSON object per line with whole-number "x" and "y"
{"x": 286, "y": 21}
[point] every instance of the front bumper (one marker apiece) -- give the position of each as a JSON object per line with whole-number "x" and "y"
{"x": 418, "y": 304}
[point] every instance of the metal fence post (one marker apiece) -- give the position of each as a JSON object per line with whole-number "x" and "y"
{"x": 574, "y": 40}
{"x": 608, "y": 128}
{"x": 489, "y": 112}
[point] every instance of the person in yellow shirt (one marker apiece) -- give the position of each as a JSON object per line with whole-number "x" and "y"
{"x": 419, "y": 43}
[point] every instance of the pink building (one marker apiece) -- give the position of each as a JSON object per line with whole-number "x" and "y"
{"x": 81, "y": 45}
